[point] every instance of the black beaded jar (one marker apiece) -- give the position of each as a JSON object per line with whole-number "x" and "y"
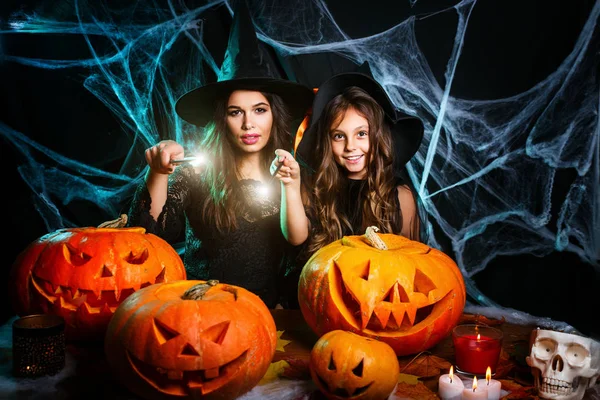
{"x": 38, "y": 345}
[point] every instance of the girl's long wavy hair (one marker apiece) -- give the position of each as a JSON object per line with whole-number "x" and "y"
{"x": 329, "y": 178}
{"x": 226, "y": 202}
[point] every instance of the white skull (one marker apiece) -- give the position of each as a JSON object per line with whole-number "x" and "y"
{"x": 569, "y": 364}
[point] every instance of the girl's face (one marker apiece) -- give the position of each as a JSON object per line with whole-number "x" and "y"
{"x": 350, "y": 144}
{"x": 249, "y": 120}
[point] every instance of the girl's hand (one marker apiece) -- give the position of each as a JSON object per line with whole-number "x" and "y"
{"x": 289, "y": 173}
{"x": 160, "y": 155}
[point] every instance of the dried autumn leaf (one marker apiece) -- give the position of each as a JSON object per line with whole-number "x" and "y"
{"x": 298, "y": 369}
{"x": 425, "y": 365}
{"x": 281, "y": 343}
{"x": 505, "y": 365}
{"x": 410, "y": 379}
{"x": 274, "y": 371}
{"x": 480, "y": 320}
{"x": 416, "y": 392}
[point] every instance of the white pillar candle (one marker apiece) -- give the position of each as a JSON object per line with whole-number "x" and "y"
{"x": 475, "y": 392}
{"x": 493, "y": 386}
{"x": 450, "y": 387}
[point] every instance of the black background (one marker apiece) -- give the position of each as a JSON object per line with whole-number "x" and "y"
{"x": 516, "y": 42}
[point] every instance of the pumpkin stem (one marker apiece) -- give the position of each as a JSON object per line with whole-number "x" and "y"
{"x": 198, "y": 291}
{"x": 374, "y": 239}
{"x": 115, "y": 223}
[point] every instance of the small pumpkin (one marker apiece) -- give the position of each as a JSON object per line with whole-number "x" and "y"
{"x": 191, "y": 339}
{"x": 383, "y": 286}
{"x": 345, "y": 365}
{"x": 83, "y": 274}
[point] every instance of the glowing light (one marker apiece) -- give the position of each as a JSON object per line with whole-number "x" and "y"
{"x": 474, "y": 382}
{"x": 264, "y": 190}
{"x": 451, "y": 373}
{"x": 488, "y": 374}
{"x": 478, "y": 336}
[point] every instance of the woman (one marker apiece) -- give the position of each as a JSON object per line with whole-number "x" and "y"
{"x": 231, "y": 226}
{"x": 355, "y": 149}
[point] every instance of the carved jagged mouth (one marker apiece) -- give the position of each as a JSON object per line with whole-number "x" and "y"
{"x": 341, "y": 392}
{"x": 95, "y": 302}
{"x": 558, "y": 387}
{"x": 395, "y": 312}
{"x": 182, "y": 383}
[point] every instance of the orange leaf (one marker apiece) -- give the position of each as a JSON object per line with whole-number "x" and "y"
{"x": 418, "y": 391}
{"x": 425, "y": 365}
{"x": 297, "y": 369}
{"x": 505, "y": 365}
{"x": 480, "y": 319}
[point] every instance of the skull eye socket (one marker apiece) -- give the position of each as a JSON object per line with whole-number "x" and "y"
{"x": 545, "y": 348}
{"x": 576, "y": 355}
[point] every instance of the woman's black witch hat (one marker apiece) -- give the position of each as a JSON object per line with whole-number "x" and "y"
{"x": 247, "y": 66}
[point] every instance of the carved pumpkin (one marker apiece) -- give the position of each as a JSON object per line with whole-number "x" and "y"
{"x": 408, "y": 295}
{"x": 345, "y": 365}
{"x": 191, "y": 339}
{"x": 83, "y": 274}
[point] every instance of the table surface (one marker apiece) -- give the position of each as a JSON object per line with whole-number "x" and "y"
{"x": 91, "y": 374}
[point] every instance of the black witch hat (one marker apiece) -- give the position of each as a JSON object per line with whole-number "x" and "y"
{"x": 407, "y": 131}
{"x": 246, "y": 66}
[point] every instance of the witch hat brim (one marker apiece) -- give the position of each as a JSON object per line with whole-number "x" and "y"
{"x": 407, "y": 131}
{"x": 247, "y": 66}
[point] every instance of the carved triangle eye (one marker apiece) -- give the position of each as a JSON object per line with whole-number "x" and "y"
{"x": 331, "y": 366}
{"x": 422, "y": 283}
{"x": 75, "y": 256}
{"x": 163, "y": 332}
{"x": 138, "y": 257}
{"x": 216, "y": 333}
{"x": 358, "y": 370}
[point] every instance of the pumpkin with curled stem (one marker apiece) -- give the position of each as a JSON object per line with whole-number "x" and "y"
{"x": 191, "y": 339}
{"x": 83, "y": 274}
{"x": 405, "y": 293}
{"x": 345, "y": 365}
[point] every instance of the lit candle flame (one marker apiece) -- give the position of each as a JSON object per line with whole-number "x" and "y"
{"x": 451, "y": 373}
{"x": 478, "y": 336}
{"x": 488, "y": 375}
{"x": 474, "y": 382}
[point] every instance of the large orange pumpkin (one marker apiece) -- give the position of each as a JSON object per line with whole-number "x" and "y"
{"x": 408, "y": 295}
{"x": 83, "y": 274}
{"x": 345, "y": 365}
{"x": 191, "y": 339}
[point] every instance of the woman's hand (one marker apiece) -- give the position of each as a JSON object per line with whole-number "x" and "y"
{"x": 289, "y": 173}
{"x": 160, "y": 155}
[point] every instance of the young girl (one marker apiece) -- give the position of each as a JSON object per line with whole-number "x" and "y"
{"x": 355, "y": 149}
{"x": 232, "y": 228}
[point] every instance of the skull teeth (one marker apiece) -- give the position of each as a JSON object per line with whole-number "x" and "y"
{"x": 556, "y": 386}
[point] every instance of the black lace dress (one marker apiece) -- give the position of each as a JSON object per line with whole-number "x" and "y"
{"x": 255, "y": 256}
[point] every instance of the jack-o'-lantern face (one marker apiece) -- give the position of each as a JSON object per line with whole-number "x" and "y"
{"x": 408, "y": 295}
{"x": 83, "y": 274}
{"x": 344, "y": 365}
{"x": 164, "y": 345}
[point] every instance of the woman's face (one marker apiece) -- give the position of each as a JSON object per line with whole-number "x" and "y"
{"x": 249, "y": 120}
{"x": 350, "y": 144}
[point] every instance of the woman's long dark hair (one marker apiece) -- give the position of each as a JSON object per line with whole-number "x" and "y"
{"x": 225, "y": 201}
{"x": 329, "y": 179}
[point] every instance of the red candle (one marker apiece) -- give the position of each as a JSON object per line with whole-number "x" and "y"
{"x": 476, "y": 348}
